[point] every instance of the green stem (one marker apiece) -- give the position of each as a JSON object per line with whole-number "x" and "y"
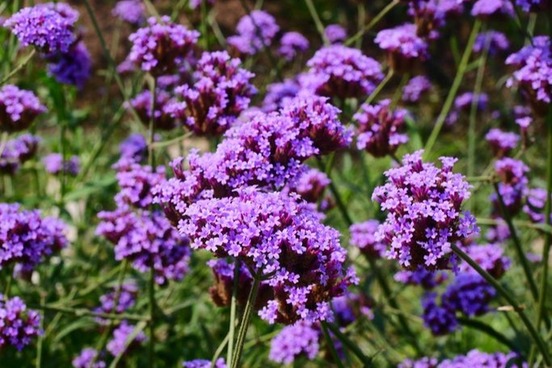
{"x": 317, "y": 21}
{"x": 453, "y": 89}
{"x": 219, "y": 350}
{"x": 366, "y": 361}
{"x": 517, "y": 243}
{"x": 233, "y": 303}
{"x": 244, "y": 324}
{"x": 548, "y": 237}
{"x": 372, "y": 23}
{"x": 18, "y": 67}
{"x": 331, "y": 345}
{"x": 510, "y": 299}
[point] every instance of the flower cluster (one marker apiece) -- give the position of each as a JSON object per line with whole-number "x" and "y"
{"x": 335, "y": 33}
{"x": 430, "y": 15}
{"x": 44, "y": 27}
{"x": 487, "y": 8}
{"x": 202, "y": 363}
{"x": 131, "y": 11}
{"x": 293, "y": 341}
{"x": 17, "y": 324}
{"x": 18, "y": 108}
{"x": 533, "y": 5}
{"x": 421, "y": 276}
{"x": 220, "y": 91}
{"x": 118, "y": 300}
{"x": 255, "y": 32}
{"x": 72, "y": 67}
{"x": 277, "y": 242}
{"x": 363, "y": 237}
{"x": 311, "y": 185}
{"x": 380, "y": 128}
{"x": 535, "y": 204}
{"x": 474, "y": 358}
{"x": 88, "y": 358}
{"x": 17, "y": 151}
{"x": 440, "y": 319}
{"x": 134, "y": 148}
{"x": 402, "y": 45}
{"x": 291, "y": 44}
{"x": 163, "y": 118}
{"x": 161, "y": 46}
{"x": 26, "y": 238}
{"x": 279, "y": 94}
{"x": 502, "y": 143}
{"x": 512, "y": 174}
{"x": 493, "y": 41}
{"x": 423, "y": 204}
{"x": 267, "y": 151}
{"x": 415, "y": 88}
{"x": 490, "y": 257}
{"x": 136, "y": 183}
{"x": 119, "y": 344}
{"x": 56, "y": 165}
{"x": 469, "y": 294}
{"x": 342, "y": 72}
{"x": 533, "y": 64}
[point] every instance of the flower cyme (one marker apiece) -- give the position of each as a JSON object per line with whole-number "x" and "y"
{"x": 255, "y": 32}
{"x": 423, "y": 205}
{"x": 294, "y": 341}
{"x": 18, "y": 325}
{"x": 18, "y": 108}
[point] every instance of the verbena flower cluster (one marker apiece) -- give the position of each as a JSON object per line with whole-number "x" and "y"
{"x": 119, "y": 344}
{"x": 473, "y": 358}
{"x": 131, "y": 11}
{"x": 342, "y": 72}
{"x": 17, "y": 151}
{"x": 88, "y": 358}
{"x": 163, "y": 118}
{"x": 363, "y": 236}
{"x": 502, "y": 143}
{"x": 219, "y": 93}
{"x": 335, "y": 33}
{"x": 118, "y": 300}
{"x": 293, "y": 341}
{"x": 18, "y": 108}
{"x": 533, "y": 66}
{"x": 280, "y": 239}
{"x": 512, "y": 175}
{"x": 493, "y": 41}
{"x": 27, "y": 238}
{"x": 18, "y": 325}
{"x": 72, "y": 67}
{"x": 311, "y": 185}
{"x": 292, "y": 44}
{"x": 381, "y": 128}
{"x": 402, "y": 45}
{"x": 256, "y": 31}
{"x": 535, "y": 204}
{"x": 202, "y": 363}
{"x": 56, "y": 165}
{"x": 161, "y": 46}
{"x": 424, "y": 212}
{"x": 415, "y": 89}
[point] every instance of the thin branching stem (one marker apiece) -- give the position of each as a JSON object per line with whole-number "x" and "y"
{"x": 244, "y": 323}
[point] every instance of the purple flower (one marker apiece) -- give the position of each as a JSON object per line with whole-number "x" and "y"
{"x": 125, "y": 297}
{"x": 291, "y": 44}
{"x": 147, "y": 240}
{"x": 44, "y": 27}
{"x": 423, "y": 204}
{"x": 136, "y": 182}
{"x": 279, "y": 94}
{"x": 363, "y": 236}
{"x": 533, "y": 5}
{"x": 402, "y": 45}
{"x": 55, "y": 164}
{"x": 469, "y": 293}
{"x": 17, "y": 151}
{"x": 134, "y": 147}
{"x": 502, "y": 143}
{"x": 430, "y": 15}
{"x": 18, "y": 326}
{"x": 415, "y": 88}
{"x": 221, "y": 90}
{"x": 131, "y": 11}
{"x": 496, "y": 42}
{"x": 163, "y": 118}
{"x": 535, "y": 204}
{"x": 335, "y": 33}
{"x": 421, "y": 276}
{"x": 342, "y": 72}
{"x": 513, "y": 183}
{"x": 85, "y": 359}
{"x": 161, "y": 46}
{"x": 72, "y": 67}
{"x": 300, "y": 339}
{"x": 277, "y": 241}
{"x": 120, "y": 343}
{"x": 311, "y": 185}
{"x": 26, "y": 238}
{"x": 487, "y": 8}
{"x": 440, "y": 319}
{"x": 202, "y": 363}
{"x": 533, "y": 64}
{"x": 475, "y": 358}
{"x": 380, "y": 128}
{"x": 425, "y": 362}
{"x": 490, "y": 257}
{"x": 463, "y": 103}
{"x": 18, "y": 108}
{"x": 350, "y": 306}
{"x": 255, "y": 32}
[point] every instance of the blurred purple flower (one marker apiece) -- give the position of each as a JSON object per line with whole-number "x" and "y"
{"x": 18, "y": 108}
{"x": 18, "y": 325}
